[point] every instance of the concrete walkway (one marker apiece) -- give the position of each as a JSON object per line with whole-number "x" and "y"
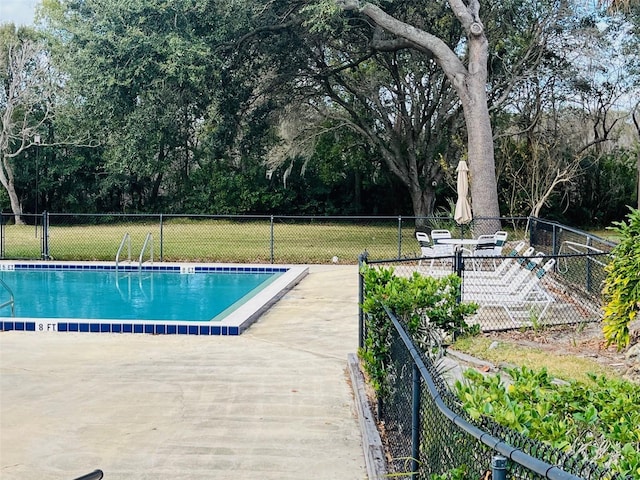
{"x": 274, "y": 403}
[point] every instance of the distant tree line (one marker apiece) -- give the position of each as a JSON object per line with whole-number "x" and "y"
{"x": 320, "y": 107}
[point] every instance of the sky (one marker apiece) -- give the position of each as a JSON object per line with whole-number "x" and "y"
{"x": 19, "y": 12}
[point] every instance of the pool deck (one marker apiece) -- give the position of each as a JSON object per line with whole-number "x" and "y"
{"x": 272, "y": 403}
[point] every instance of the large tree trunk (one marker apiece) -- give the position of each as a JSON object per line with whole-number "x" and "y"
{"x": 470, "y": 85}
{"x": 6, "y": 178}
{"x": 423, "y": 202}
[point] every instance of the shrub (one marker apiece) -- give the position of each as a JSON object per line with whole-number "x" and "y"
{"x": 601, "y": 420}
{"x": 422, "y": 303}
{"x": 622, "y": 285}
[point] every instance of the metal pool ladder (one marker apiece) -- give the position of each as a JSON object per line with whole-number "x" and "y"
{"x": 11, "y": 302}
{"x": 148, "y": 242}
{"x": 126, "y": 240}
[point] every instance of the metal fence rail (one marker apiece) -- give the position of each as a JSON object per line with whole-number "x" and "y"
{"x": 557, "y": 239}
{"x": 225, "y": 238}
{"x": 429, "y": 434}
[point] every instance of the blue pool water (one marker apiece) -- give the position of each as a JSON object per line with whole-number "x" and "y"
{"x": 165, "y": 298}
{"x": 145, "y": 295}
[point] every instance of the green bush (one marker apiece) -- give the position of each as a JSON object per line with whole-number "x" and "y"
{"x": 424, "y": 304}
{"x": 600, "y": 420}
{"x": 622, "y": 285}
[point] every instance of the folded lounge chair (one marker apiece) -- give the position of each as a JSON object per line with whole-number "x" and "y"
{"x": 524, "y": 298}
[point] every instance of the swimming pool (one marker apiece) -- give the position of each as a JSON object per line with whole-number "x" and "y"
{"x": 182, "y": 299}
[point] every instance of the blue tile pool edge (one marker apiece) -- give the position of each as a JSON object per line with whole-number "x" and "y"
{"x": 233, "y": 324}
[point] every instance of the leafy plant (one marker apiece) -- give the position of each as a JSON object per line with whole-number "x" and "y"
{"x": 459, "y": 473}
{"x": 601, "y": 420}
{"x": 426, "y": 305}
{"x": 622, "y": 285}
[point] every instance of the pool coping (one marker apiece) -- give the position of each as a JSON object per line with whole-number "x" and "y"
{"x": 235, "y": 322}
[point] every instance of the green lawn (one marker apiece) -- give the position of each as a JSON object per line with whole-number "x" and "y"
{"x": 216, "y": 241}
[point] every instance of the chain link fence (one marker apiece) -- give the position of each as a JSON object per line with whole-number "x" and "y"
{"x": 529, "y": 286}
{"x": 523, "y": 288}
{"x": 429, "y": 434}
{"x": 224, "y": 238}
{"x": 581, "y": 256}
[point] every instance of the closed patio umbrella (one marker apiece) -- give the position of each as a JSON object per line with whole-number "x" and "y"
{"x": 462, "y": 213}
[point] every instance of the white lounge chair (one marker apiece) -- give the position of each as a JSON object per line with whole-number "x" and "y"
{"x": 509, "y": 279}
{"x": 528, "y": 300}
{"x": 500, "y": 238}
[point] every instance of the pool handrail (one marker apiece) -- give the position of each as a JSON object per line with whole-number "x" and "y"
{"x": 147, "y": 241}
{"x": 11, "y": 300}
{"x": 125, "y": 239}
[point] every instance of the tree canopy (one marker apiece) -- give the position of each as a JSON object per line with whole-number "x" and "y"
{"x": 245, "y": 107}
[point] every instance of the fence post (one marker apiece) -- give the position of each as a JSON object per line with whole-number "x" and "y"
{"x": 45, "y": 236}
{"x": 458, "y": 268}
{"x": 399, "y": 236}
{"x": 498, "y": 468}
{"x": 362, "y": 261}
{"x": 272, "y": 240}
{"x": 415, "y": 424}
{"x": 554, "y": 241}
{"x": 2, "y": 233}
{"x": 161, "y": 238}
{"x": 588, "y": 268}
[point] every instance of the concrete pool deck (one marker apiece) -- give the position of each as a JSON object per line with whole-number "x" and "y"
{"x": 272, "y": 403}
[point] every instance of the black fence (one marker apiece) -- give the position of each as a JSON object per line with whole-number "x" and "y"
{"x": 428, "y": 433}
{"x": 226, "y": 238}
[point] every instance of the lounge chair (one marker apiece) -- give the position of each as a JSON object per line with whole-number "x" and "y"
{"x": 508, "y": 279}
{"x": 529, "y": 299}
{"x": 500, "y": 238}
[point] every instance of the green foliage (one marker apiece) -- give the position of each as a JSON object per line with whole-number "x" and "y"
{"x": 608, "y": 185}
{"x": 458, "y": 473}
{"x": 423, "y": 303}
{"x": 600, "y": 420}
{"x": 622, "y": 285}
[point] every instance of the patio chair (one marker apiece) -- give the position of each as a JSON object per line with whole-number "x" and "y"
{"x": 484, "y": 248}
{"x": 441, "y": 250}
{"x": 426, "y": 251}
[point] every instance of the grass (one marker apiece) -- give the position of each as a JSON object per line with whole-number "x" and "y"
{"x": 566, "y": 367}
{"x": 222, "y": 240}
{"x": 216, "y": 241}
{"x": 607, "y": 234}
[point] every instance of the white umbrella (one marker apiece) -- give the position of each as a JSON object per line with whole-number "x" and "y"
{"x": 463, "y": 214}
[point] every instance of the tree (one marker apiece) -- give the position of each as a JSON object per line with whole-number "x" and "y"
{"x": 392, "y": 98}
{"x": 144, "y": 72}
{"x": 470, "y": 83}
{"x": 391, "y": 93}
{"x": 26, "y": 101}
